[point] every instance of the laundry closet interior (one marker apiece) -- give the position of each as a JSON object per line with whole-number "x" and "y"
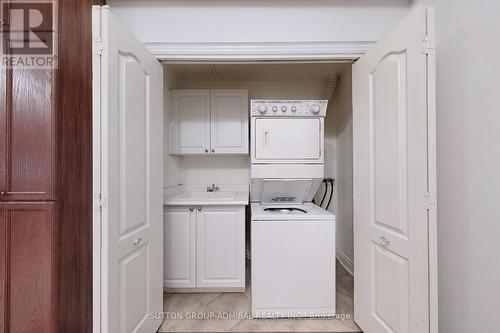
{"x": 208, "y": 147}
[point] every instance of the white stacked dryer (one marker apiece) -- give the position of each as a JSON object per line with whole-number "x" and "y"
{"x": 292, "y": 239}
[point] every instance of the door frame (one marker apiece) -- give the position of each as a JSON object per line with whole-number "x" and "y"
{"x": 331, "y": 52}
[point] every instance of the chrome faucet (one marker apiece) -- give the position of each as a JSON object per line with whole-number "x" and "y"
{"x": 213, "y": 188}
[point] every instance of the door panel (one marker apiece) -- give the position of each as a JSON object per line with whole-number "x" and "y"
{"x": 388, "y": 111}
{"x": 133, "y": 115}
{"x": 180, "y": 248}
{"x": 191, "y": 121}
{"x": 27, "y": 237}
{"x": 221, "y": 247}
{"x": 27, "y": 139}
{"x": 31, "y": 142}
{"x": 390, "y": 287}
{"x": 229, "y": 121}
{"x": 129, "y": 105}
{"x": 390, "y": 87}
{"x": 288, "y": 139}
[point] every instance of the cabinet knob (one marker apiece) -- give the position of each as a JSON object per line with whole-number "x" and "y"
{"x": 3, "y": 193}
{"x": 206, "y": 150}
{"x": 191, "y": 209}
{"x": 199, "y": 209}
{"x": 213, "y": 150}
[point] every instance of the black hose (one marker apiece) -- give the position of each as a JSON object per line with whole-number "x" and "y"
{"x": 332, "y": 181}
{"x": 326, "y": 190}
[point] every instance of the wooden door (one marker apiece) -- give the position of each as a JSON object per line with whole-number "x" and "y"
{"x": 190, "y": 122}
{"x": 27, "y": 267}
{"x": 229, "y": 121}
{"x": 27, "y": 136}
{"x": 392, "y": 121}
{"x": 220, "y": 247}
{"x": 179, "y": 267}
{"x": 131, "y": 174}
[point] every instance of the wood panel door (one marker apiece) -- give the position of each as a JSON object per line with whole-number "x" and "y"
{"x": 27, "y": 267}
{"x": 28, "y": 140}
{"x": 27, "y": 121}
{"x": 27, "y": 135}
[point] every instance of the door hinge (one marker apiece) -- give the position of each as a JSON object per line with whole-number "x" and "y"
{"x": 98, "y": 202}
{"x": 429, "y": 200}
{"x": 98, "y": 46}
{"x": 428, "y": 45}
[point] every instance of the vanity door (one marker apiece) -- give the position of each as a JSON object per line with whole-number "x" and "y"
{"x": 221, "y": 247}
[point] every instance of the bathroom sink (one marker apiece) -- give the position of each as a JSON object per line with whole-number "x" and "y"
{"x": 206, "y": 195}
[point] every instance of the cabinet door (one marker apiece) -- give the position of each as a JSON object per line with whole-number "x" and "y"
{"x": 229, "y": 121}
{"x": 221, "y": 247}
{"x": 179, "y": 268}
{"x": 27, "y": 135}
{"x": 190, "y": 122}
{"x": 27, "y": 267}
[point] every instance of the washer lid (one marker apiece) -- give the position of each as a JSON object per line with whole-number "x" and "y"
{"x": 290, "y": 213}
{"x": 284, "y": 191}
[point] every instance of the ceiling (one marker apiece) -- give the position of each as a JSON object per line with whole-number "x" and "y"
{"x": 256, "y": 72}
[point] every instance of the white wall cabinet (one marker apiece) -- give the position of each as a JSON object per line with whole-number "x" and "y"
{"x": 208, "y": 121}
{"x": 205, "y": 248}
{"x": 190, "y": 122}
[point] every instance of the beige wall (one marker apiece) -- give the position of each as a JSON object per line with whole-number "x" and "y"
{"x": 171, "y": 163}
{"x": 468, "y": 134}
{"x": 338, "y": 164}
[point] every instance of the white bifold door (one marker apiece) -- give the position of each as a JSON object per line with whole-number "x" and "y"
{"x": 128, "y": 178}
{"x": 394, "y": 181}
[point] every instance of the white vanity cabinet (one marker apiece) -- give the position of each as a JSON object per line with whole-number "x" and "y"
{"x": 220, "y": 245}
{"x": 179, "y": 258}
{"x": 209, "y": 121}
{"x": 204, "y": 248}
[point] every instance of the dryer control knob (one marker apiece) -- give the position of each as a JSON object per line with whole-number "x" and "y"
{"x": 262, "y": 109}
{"x": 315, "y": 108}
{"x": 283, "y": 108}
{"x": 294, "y": 109}
{"x": 275, "y": 108}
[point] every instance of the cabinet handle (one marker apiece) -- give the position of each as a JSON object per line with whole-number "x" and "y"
{"x": 199, "y": 209}
{"x": 138, "y": 242}
{"x": 213, "y": 150}
{"x": 191, "y": 209}
{"x": 206, "y": 150}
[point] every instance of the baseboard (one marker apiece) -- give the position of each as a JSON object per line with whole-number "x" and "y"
{"x": 345, "y": 262}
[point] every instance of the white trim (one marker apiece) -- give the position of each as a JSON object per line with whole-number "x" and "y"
{"x": 432, "y": 174}
{"x": 238, "y": 51}
{"x": 345, "y": 262}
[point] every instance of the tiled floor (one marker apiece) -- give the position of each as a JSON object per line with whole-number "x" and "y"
{"x": 220, "y": 304}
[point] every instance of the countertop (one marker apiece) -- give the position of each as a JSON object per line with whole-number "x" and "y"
{"x": 171, "y": 197}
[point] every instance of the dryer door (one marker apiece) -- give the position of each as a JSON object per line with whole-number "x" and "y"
{"x": 288, "y": 140}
